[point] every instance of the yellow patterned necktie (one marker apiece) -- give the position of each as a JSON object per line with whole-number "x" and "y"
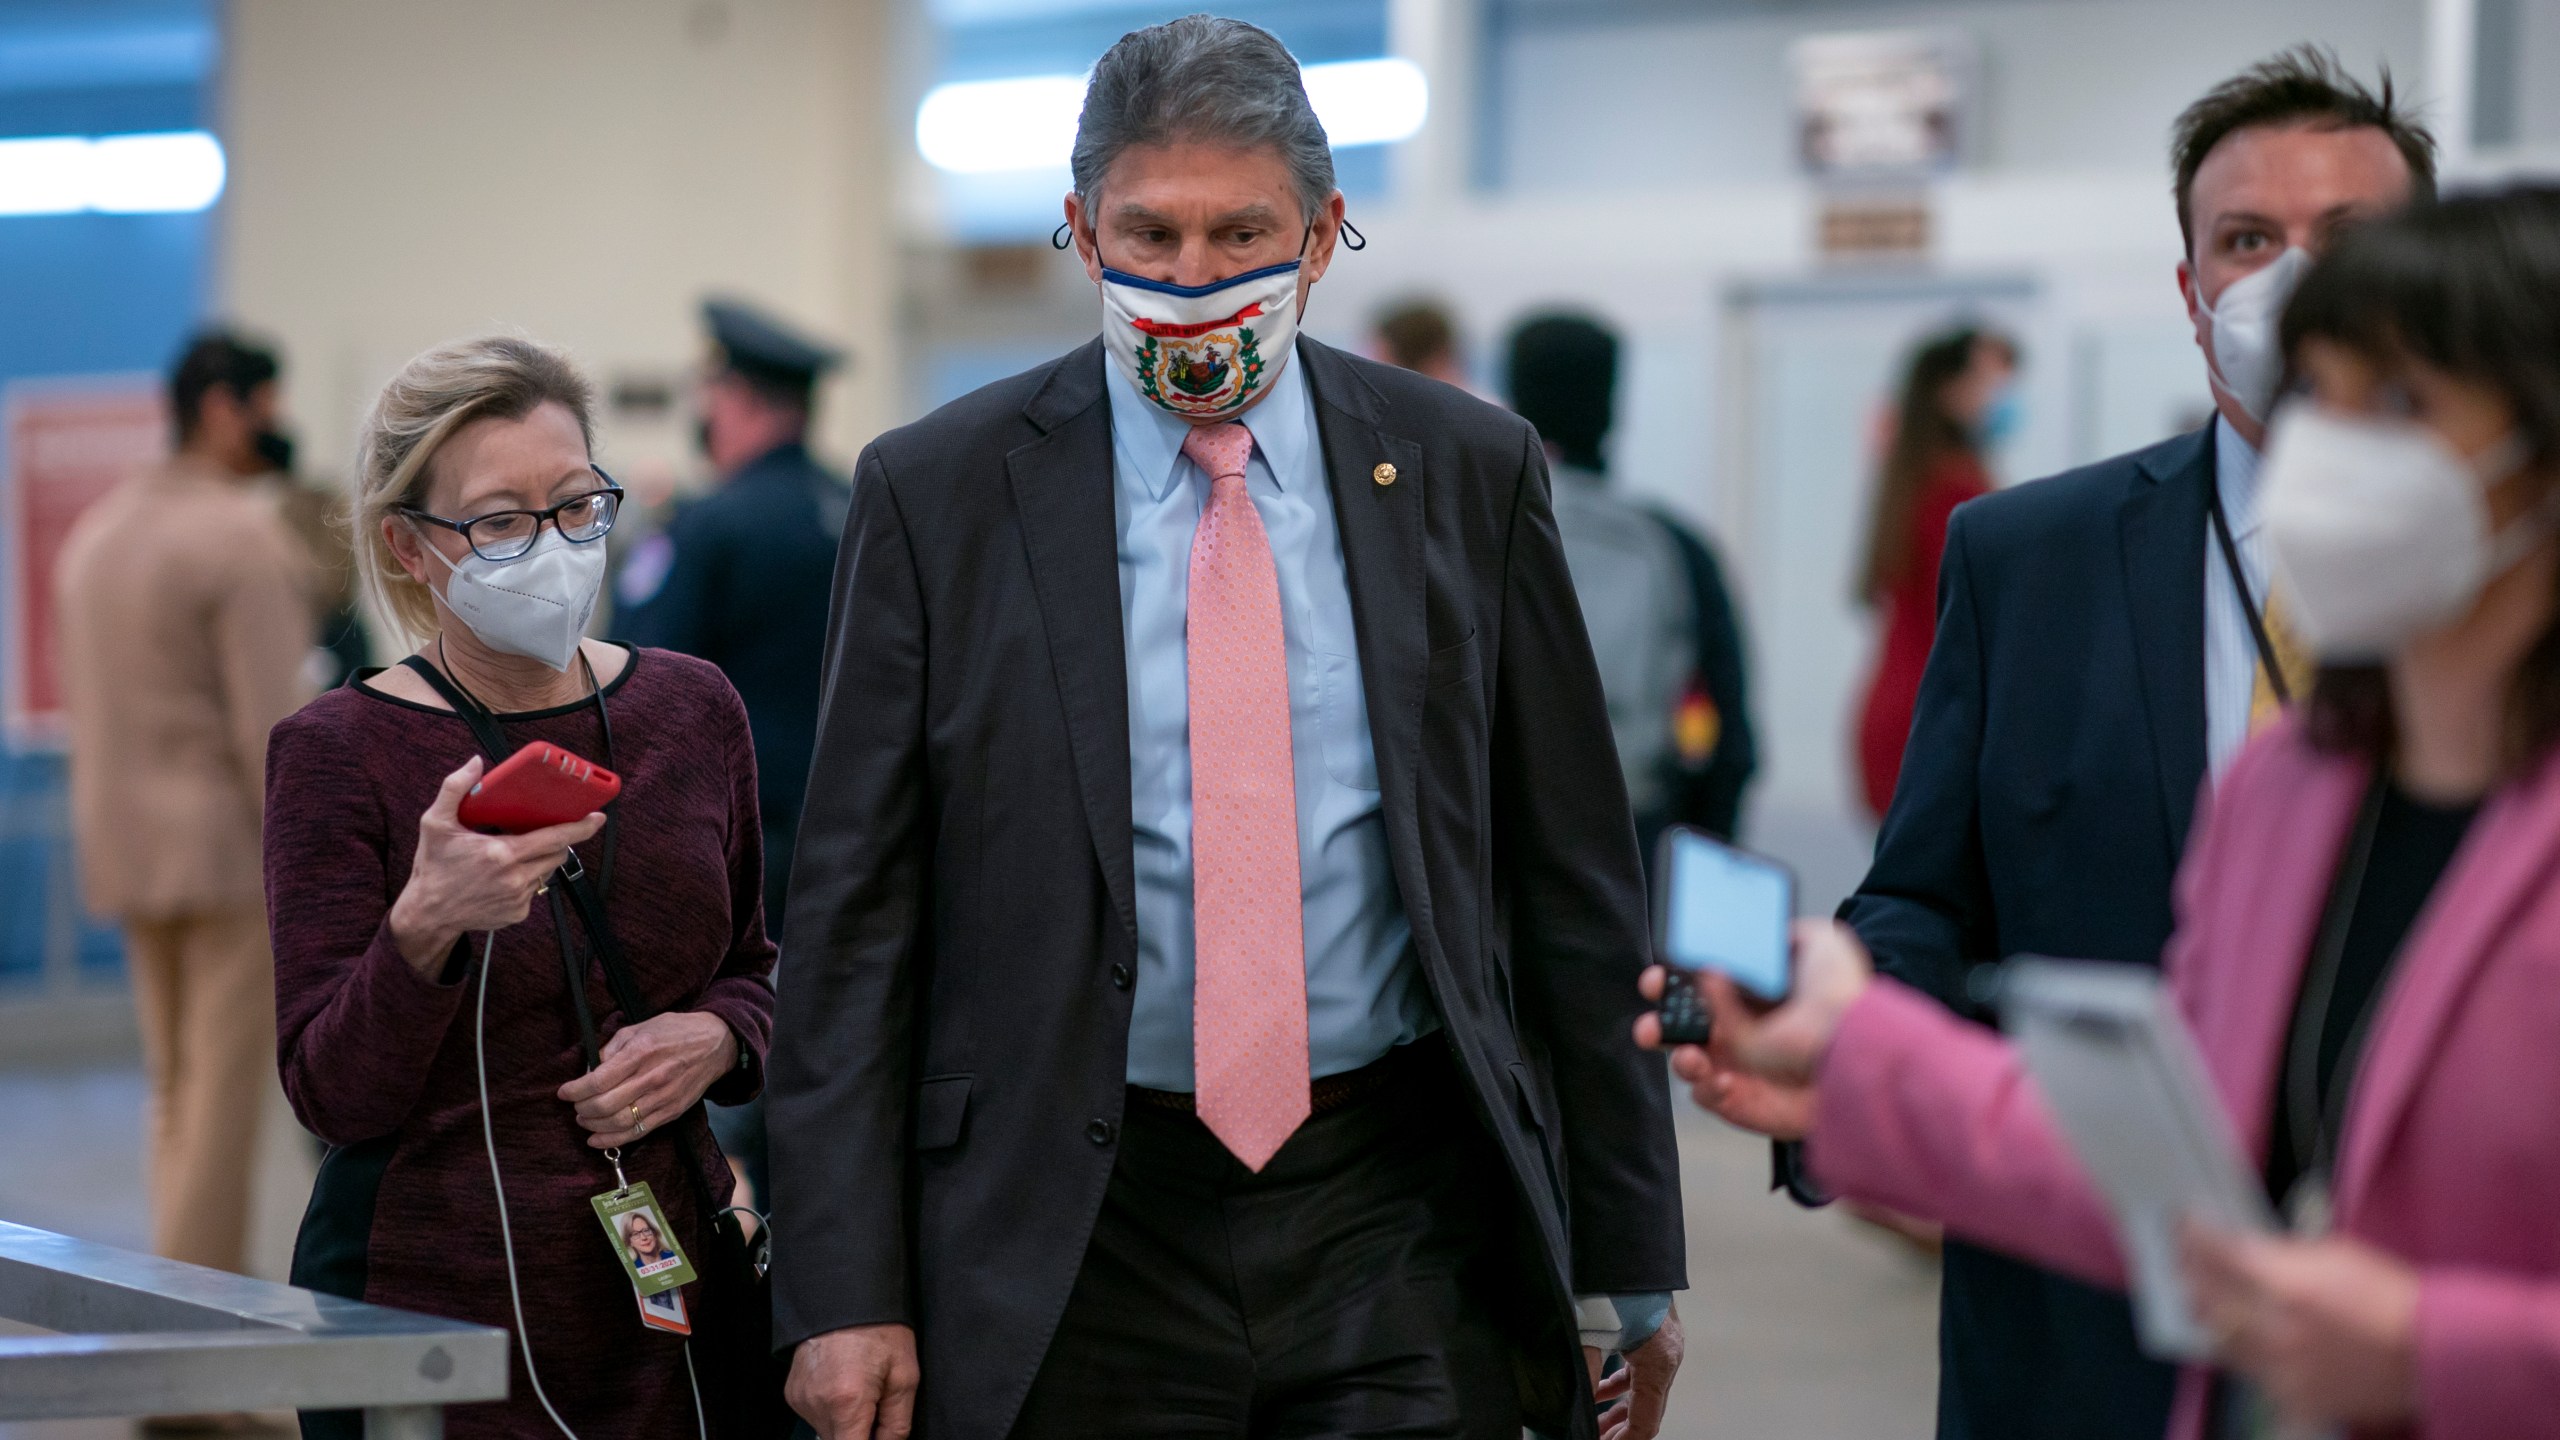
{"x": 2291, "y": 657}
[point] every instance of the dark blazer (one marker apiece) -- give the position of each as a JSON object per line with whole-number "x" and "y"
{"x": 747, "y": 589}
{"x": 2055, "y": 758}
{"x": 947, "y": 1089}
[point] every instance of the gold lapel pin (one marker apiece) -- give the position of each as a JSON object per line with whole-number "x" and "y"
{"x": 1385, "y": 474}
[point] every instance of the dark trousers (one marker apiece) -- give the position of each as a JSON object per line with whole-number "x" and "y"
{"x": 1347, "y": 1290}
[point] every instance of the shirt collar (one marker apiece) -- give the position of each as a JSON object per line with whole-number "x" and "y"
{"x": 1148, "y": 438}
{"x": 2235, "y": 476}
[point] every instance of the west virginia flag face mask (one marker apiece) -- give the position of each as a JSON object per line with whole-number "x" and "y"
{"x": 1201, "y": 350}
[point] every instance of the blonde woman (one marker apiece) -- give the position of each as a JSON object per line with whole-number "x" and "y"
{"x": 628, "y": 975}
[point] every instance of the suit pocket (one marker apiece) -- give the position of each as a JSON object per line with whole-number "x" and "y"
{"x": 1452, "y": 664}
{"x": 1525, "y": 1092}
{"x": 942, "y": 1106}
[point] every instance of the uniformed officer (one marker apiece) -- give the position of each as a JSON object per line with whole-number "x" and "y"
{"x": 740, "y": 576}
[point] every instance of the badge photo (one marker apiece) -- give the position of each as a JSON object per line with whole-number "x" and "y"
{"x": 642, "y": 1239}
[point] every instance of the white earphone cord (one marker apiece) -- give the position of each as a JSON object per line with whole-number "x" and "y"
{"x": 506, "y": 1234}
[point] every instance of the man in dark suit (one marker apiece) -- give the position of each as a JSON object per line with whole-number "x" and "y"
{"x": 1218, "y": 914}
{"x": 2097, "y": 657}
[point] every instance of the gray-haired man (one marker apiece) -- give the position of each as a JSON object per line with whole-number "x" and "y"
{"x": 1217, "y": 915}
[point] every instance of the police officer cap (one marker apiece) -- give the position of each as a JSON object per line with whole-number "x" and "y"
{"x": 764, "y": 349}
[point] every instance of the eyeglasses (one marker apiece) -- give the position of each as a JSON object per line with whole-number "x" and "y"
{"x": 504, "y": 535}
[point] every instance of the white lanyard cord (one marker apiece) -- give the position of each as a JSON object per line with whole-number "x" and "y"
{"x": 506, "y": 1235}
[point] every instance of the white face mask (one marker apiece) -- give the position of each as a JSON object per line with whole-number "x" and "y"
{"x": 1200, "y": 350}
{"x": 536, "y": 605}
{"x": 2246, "y": 364}
{"x": 2381, "y": 530}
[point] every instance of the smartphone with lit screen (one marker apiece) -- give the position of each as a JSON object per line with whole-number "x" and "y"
{"x": 1720, "y": 909}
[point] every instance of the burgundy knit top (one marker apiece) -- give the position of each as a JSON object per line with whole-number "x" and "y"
{"x": 370, "y": 1048}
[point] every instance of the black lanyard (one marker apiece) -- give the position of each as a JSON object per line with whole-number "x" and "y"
{"x": 2312, "y": 1118}
{"x": 586, "y": 890}
{"x": 2248, "y": 603}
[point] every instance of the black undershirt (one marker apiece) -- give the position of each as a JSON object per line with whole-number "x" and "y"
{"x": 2413, "y": 842}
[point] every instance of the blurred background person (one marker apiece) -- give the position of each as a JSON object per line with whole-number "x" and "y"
{"x": 1652, "y": 593}
{"x": 1417, "y": 334}
{"x": 317, "y": 517}
{"x": 185, "y": 607}
{"x": 740, "y": 578}
{"x": 2367, "y": 949}
{"x": 2096, "y": 661}
{"x": 1959, "y": 400}
{"x": 481, "y": 530}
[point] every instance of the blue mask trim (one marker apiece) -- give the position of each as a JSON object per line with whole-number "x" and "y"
{"x": 1187, "y": 292}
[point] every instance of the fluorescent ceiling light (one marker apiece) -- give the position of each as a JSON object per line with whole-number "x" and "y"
{"x": 177, "y": 172}
{"x": 978, "y": 127}
{"x": 1369, "y": 102}
{"x": 44, "y": 177}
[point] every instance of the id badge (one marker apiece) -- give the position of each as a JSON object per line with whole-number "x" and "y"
{"x": 665, "y": 1311}
{"x": 642, "y": 1239}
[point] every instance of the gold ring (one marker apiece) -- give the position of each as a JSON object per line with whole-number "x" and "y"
{"x": 639, "y": 1124}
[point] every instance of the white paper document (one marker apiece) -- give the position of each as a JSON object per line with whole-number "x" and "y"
{"x": 2122, "y": 1075}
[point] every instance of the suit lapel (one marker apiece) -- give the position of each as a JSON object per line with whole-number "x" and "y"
{"x": 2161, "y": 527}
{"x": 1381, "y": 528}
{"x": 2508, "y": 858}
{"x": 1062, "y": 488}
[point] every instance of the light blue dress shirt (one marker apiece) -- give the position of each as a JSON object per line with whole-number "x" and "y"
{"x": 1365, "y": 993}
{"x": 2230, "y": 650}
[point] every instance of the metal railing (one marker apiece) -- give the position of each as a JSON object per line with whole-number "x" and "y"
{"x": 139, "y": 1335}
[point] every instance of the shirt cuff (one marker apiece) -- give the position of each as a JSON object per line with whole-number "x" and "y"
{"x": 1620, "y": 1323}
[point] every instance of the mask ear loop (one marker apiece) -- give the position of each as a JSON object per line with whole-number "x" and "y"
{"x": 1059, "y": 238}
{"x": 1357, "y": 241}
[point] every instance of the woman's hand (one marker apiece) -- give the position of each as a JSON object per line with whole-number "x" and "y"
{"x": 462, "y": 881}
{"x": 1757, "y": 1069}
{"x": 650, "y": 1073}
{"x": 2326, "y": 1328}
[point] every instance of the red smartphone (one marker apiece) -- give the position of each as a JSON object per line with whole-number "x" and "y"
{"x": 537, "y": 786}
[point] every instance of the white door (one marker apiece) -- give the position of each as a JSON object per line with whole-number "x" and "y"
{"x": 1816, "y": 365}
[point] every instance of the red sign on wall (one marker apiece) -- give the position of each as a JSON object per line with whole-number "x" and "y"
{"x": 66, "y": 443}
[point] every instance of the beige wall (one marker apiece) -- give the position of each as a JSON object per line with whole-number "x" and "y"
{"x": 583, "y": 171}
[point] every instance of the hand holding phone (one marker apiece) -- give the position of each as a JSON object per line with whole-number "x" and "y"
{"x": 464, "y": 879}
{"x": 1719, "y": 909}
{"x": 538, "y": 786}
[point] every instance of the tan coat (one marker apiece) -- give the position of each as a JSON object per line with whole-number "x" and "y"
{"x": 186, "y": 620}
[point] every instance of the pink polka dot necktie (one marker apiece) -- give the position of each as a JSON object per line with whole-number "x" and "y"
{"x": 1249, "y": 1002}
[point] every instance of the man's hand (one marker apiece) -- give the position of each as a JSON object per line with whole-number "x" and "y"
{"x": 1642, "y": 1388}
{"x": 856, "y": 1384}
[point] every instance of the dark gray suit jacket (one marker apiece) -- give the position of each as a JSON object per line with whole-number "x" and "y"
{"x": 947, "y": 1077}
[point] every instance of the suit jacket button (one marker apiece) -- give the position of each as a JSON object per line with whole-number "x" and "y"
{"x": 1120, "y": 977}
{"x": 1099, "y": 1132}
{"x": 1385, "y": 474}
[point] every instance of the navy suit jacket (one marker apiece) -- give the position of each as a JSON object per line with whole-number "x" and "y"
{"x": 2055, "y": 759}
{"x": 752, "y": 573}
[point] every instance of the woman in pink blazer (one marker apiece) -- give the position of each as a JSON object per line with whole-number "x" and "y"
{"x": 2369, "y": 938}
